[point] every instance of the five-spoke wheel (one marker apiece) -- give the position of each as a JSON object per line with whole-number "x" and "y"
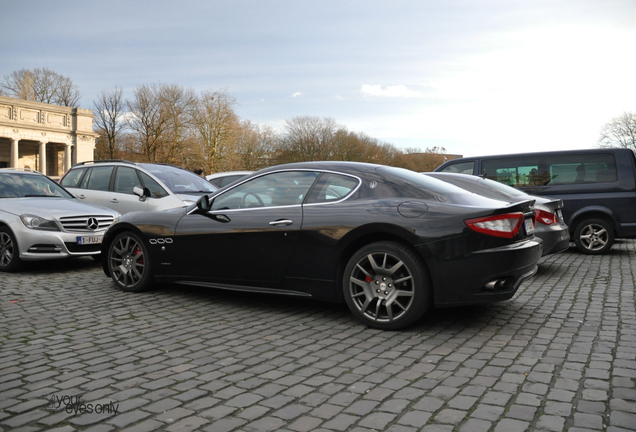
{"x": 386, "y": 286}
{"x": 129, "y": 263}
{"x": 594, "y": 236}
{"x": 9, "y": 255}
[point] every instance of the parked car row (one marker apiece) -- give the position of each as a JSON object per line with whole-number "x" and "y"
{"x": 388, "y": 242}
{"x": 597, "y": 186}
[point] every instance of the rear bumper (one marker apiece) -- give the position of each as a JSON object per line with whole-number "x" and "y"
{"x": 556, "y": 238}
{"x": 485, "y": 276}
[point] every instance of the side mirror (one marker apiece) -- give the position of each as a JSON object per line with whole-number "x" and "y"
{"x": 142, "y": 193}
{"x": 204, "y": 204}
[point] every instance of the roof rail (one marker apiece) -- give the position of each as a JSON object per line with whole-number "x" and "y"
{"x": 21, "y": 169}
{"x": 104, "y": 161}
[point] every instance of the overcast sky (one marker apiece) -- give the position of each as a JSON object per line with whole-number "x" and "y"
{"x": 473, "y": 76}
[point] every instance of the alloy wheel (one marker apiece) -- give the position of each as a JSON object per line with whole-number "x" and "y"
{"x": 127, "y": 262}
{"x": 381, "y": 287}
{"x": 594, "y": 237}
{"x": 7, "y": 249}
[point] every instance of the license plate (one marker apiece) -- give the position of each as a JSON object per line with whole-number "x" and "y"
{"x": 529, "y": 226}
{"x": 559, "y": 215}
{"x": 86, "y": 240}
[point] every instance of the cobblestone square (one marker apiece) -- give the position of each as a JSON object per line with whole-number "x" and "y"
{"x": 78, "y": 354}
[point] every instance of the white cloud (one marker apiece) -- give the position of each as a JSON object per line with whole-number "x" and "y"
{"x": 397, "y": 91}
{"x": 297, "y": 94}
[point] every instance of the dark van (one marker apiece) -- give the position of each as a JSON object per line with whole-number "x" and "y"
{"x": 597, "y": 186}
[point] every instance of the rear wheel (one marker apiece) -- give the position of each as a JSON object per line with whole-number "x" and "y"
{"x": 129, "y": 263}
{"x": 9, "y": 253}
{"x": 386, "y": 286}
{"x": 593, "y": 236}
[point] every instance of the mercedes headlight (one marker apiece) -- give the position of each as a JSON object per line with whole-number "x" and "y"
{"x": 38, "y": 223}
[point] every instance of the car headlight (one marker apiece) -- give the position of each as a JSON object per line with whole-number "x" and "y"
{"x": 38, "y": 223}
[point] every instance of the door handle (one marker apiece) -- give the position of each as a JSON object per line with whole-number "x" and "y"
{"x": 281, "y": 222}
{"x": 114, "y": 200}
{"x": 81, "y": 196}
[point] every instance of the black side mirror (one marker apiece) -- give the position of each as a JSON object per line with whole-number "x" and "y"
{"x": 204, "y": 204}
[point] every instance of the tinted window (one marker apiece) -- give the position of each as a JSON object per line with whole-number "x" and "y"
{"x": 156, "y": 191}
{"x": 577, "y": 169}
{"x": 73, "y": 177}
{"x": 125, "y": 180}
{"x": 178, "y": 180}
{"x": 461, "y": 167}
{"x": 332, "y": 187}
{"x": 276, "y": 189}
{"x": 98, "y": 178}
{"x": 515, "y": 172}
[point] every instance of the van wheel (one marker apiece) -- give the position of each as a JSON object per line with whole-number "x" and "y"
{"x": 594, "y": 236}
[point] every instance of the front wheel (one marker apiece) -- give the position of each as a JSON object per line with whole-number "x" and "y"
{"x": 593, "y": 236}
{"x": 129, "y": 263}
{"x": 9, "y": 254}
{"x": 386, "y": 286}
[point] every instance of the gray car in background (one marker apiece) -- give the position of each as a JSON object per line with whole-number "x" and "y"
{"x": 128, "y": 186}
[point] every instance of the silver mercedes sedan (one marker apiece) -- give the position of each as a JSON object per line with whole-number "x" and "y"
{"x": 40, "y": 220}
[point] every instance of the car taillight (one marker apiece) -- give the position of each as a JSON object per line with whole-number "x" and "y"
{"x": 506, "y": 226}
{"x": 545, "y": 217}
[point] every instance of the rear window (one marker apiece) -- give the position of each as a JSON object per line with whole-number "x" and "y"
{"x": 460, "y": 167}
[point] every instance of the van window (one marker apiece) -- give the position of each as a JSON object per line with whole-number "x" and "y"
{"x": 578, "y": 169}
{"x": 515, "y": 172}
{"x": 460, "y": 167}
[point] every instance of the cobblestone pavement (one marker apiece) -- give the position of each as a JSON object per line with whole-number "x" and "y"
{"x": 559, "y": 356}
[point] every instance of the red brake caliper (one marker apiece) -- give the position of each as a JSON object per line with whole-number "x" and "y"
{"x": 137, "y": 252}
{"x": 368, "y": 279}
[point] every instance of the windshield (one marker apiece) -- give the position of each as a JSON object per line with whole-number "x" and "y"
{"x": 21, "y": 185}
{"x": 180, "y": 181}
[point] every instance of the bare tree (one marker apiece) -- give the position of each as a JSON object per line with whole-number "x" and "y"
{"x": 307, "y": 138}
{"x": 42, "y": 85}
{"x": 619, "y": 132}
{"x": 109, "y": 122}
{"x": 214, "y": 121}
{"x": 253, "y": 146}
{"x": 176, "y": 101}
{"x": 148, "y": 121}
{"x": 421, "y": 161}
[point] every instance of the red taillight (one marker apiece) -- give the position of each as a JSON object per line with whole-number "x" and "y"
{"x": 506, "y": 226}
{"x": 545, "y": 217}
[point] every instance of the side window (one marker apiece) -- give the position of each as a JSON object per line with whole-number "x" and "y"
{"x": 98, "y": 178}
{"x": 578, "y": 169}
{"x": 156, "y": 190}
{"x": 125, "y": 180}
{"x": 460, "y": 167}
{"x": 332, "y": 187}
{"x": 73, "y": 178}
{"x": 516, "y": 171}
{"x": 270, "y": 190}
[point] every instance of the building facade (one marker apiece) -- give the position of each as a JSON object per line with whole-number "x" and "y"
{"x": 44, "y": 137}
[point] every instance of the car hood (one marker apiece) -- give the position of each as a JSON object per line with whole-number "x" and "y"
{"x": 52, "y": 207}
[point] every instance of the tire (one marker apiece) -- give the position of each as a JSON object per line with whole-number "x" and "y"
{"x": 370, "y": 280}
{"x": 9, "y": 253}
{"x": 594, "y": 236}
{"x": 129, "y": 263}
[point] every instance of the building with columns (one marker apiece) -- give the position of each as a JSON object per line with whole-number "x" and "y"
{"x": 44, "y": 137}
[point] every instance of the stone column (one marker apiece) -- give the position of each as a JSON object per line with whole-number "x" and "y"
{"x": 42, "y": 165}
{"x": 14, "y": 153}
{"x": 67, "y": 157}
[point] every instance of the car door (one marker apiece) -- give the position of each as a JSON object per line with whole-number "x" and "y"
{"x": 95, "y": 186}
{"x": 249, "y": 235}
{"x": 122, "y": 197}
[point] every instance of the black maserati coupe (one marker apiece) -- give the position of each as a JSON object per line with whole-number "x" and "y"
{"x": 388, "y": 241}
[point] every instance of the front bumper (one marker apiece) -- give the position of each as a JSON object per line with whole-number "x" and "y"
{"x": 44, "y": 245}
{"x": 485, "y": 276}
